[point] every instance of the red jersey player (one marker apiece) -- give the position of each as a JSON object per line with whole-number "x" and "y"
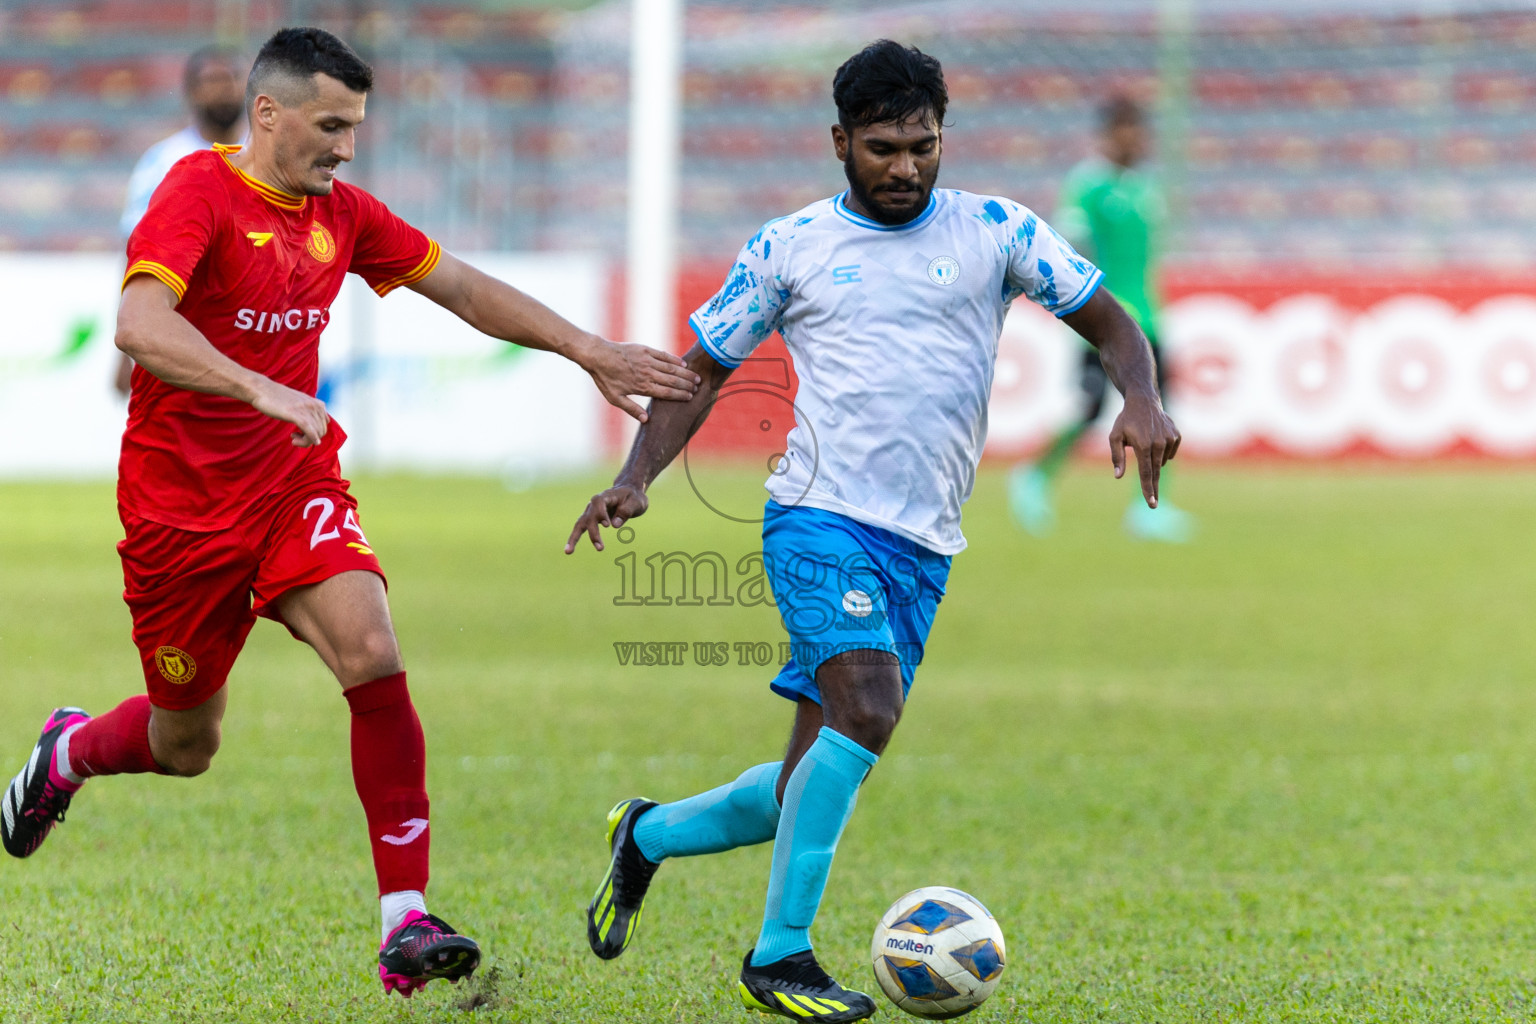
{"x": 229, "y": 487}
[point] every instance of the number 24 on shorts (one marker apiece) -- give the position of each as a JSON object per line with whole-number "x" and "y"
{"x": 327, "y": 510}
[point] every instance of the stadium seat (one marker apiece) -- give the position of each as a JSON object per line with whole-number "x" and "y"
{"x": 1318, "y": 119}
{"x": 26, "y": 83}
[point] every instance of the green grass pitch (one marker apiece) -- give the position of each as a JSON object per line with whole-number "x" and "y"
{"x": 1285, "y": 774}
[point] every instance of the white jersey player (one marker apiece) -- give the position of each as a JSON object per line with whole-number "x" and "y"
{"x": 890, "y": 298}
{"x": 213, "y": 84}
{"x": 893, "y": 330}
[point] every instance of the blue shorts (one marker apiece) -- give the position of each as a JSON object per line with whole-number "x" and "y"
{"x": 842, "y": 585}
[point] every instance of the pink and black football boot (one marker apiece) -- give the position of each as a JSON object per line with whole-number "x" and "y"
{"x": 422, "y": 948}
{"x": 38, "y": 796}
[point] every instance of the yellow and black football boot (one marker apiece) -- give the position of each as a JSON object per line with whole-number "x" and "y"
{"x": 796, "y": 987}
{"x": 613, "y": 916}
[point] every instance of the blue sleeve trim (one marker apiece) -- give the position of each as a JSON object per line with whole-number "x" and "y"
{"x": 1083, "y": 296}
{"x": 714, "y": 350}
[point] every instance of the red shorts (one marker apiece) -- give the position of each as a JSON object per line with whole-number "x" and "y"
{"x": 195, "y": 596}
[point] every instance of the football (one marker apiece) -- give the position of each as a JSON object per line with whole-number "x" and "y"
{"x": 938, "y": 953}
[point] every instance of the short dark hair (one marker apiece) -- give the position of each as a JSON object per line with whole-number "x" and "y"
{"x": 1120, "y": 110}
{"x": 302, "y": 53}
{"x": 204, "y": 56}
{"x": 886, "y": 81}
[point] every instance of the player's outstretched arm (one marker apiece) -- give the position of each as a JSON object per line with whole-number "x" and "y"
{"x": 496, "y": 308}
{"x": 1142, "y": 425}
{"x": 661, "y": 437}
{"x": 163, "y": 342}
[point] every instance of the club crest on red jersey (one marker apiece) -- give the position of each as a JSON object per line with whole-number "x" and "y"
{"x": 175, "y": 664}
{"x": 321, "y": 245}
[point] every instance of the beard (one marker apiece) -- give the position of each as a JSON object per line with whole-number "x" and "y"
{"x": 221, "y": 115}
{"x": 868, "y": 200}
{"x": 322, "y": 187}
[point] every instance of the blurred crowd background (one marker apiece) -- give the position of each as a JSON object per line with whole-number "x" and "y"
{"x": 1397, "y": 132}
{"x": 1348, "y": 263}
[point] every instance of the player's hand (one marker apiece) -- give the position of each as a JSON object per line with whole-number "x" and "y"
{"x": 622, "y": 370}
{"x": 612, "y": 508}
{"x": 1145, "y": 428}
{"x": 306, "y": 412}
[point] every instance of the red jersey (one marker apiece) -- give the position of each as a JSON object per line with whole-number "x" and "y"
{"x": 255, "y": 270}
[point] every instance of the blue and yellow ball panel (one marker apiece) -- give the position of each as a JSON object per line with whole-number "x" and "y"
{"x": 982, "y": 959}
{"x": 918, "y": 980}
{"x": 929, "y": 917}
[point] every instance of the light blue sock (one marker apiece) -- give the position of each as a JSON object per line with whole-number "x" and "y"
{"x": 817, "y": 804}
{"x": 740, "y": 813}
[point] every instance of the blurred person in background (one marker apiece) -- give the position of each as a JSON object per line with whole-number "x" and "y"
{"x": 1111, "y": 211}
{"x": 213, "y": 84}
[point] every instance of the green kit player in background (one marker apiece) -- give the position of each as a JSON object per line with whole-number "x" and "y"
{"x": 1111, "y": 212}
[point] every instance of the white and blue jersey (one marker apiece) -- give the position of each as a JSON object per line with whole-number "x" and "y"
{"x": 893, "y": 331}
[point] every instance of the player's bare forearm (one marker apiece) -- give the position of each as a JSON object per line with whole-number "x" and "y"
{"x": 154, "y": 335}
{"x": 1123, "y": 348}
{"x": 496, "y": 308}
{"x": 672, "y": 423}
{"x": 1142, "y": 425}
{"x": 659, "y": 441}
{"x": 164, "y": 343}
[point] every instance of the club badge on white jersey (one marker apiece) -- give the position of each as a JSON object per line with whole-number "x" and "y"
{"x": 944, "y": 270}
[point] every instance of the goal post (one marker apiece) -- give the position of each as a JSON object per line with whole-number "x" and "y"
{"x": 655, "y": 128}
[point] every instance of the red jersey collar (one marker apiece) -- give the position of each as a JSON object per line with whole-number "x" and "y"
{"x": 276, "y": 196}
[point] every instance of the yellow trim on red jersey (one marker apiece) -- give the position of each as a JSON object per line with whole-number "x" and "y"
{"x": 276, "y": 196}
{"x": 160, "y": 272}
{"x": 425, "y": 267}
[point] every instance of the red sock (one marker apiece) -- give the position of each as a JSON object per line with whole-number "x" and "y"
{"x": 116, "y": 743}
{"x": 389, "y": 767}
